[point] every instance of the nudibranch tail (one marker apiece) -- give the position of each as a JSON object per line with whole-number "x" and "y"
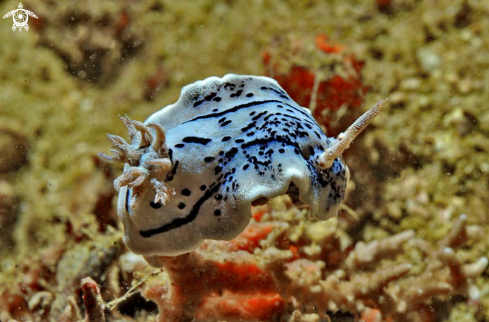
{"x": 345, "y": 138}
{"x": 140, "y": 175}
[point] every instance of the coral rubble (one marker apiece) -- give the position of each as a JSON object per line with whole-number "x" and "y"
{"x": 309, "y": 268}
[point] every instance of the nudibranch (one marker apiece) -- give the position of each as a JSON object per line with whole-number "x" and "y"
{"x": 194, "y": 168}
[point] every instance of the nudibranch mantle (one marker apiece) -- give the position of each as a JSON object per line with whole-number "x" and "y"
{"x": 230, "y": 142}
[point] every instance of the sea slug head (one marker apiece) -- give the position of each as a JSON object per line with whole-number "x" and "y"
{"x": 194, "y": 168}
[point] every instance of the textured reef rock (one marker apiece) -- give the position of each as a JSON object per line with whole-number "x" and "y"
{"x": 13, "y": 151}
{"x": 13, "y": 155}
{"x": 94, "y": 44}
{"x": 283, "y": 264}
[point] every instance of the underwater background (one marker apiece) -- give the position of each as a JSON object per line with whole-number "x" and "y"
{"x": 411, "y": 238}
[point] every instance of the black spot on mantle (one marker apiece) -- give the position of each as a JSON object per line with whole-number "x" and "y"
{"x": 195, "y": 139}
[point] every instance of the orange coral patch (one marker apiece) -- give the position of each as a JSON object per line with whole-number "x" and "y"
{"x": 250, "y": 238}
{"x": 338, "y": 91}
{"x": 244, "y": 309}
{"x": 323, "y": 43}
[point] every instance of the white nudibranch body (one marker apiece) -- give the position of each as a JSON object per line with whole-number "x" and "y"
{"x": 194, "y": 168}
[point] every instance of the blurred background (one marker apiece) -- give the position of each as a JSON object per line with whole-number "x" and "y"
{"x": 422, "y": 165}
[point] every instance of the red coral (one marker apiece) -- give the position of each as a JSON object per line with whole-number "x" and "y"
{"x": 274, "y": 267}
{"x": 260, "y": 308}
{"x": 238, "y": 288}
{"x": 233, "y": 290}
{"x": 334, "y": 92}
{"x": 258, "y": 213}
{"x": 123, "y": 21}
{"x": 323, "y": 43}
{"x": 13, "y": 305}
{"x": 92, "y": 300}
{"x": 249, "y": 239}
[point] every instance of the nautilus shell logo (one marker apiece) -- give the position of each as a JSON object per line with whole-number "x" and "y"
{"x": 20, "y": 17}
